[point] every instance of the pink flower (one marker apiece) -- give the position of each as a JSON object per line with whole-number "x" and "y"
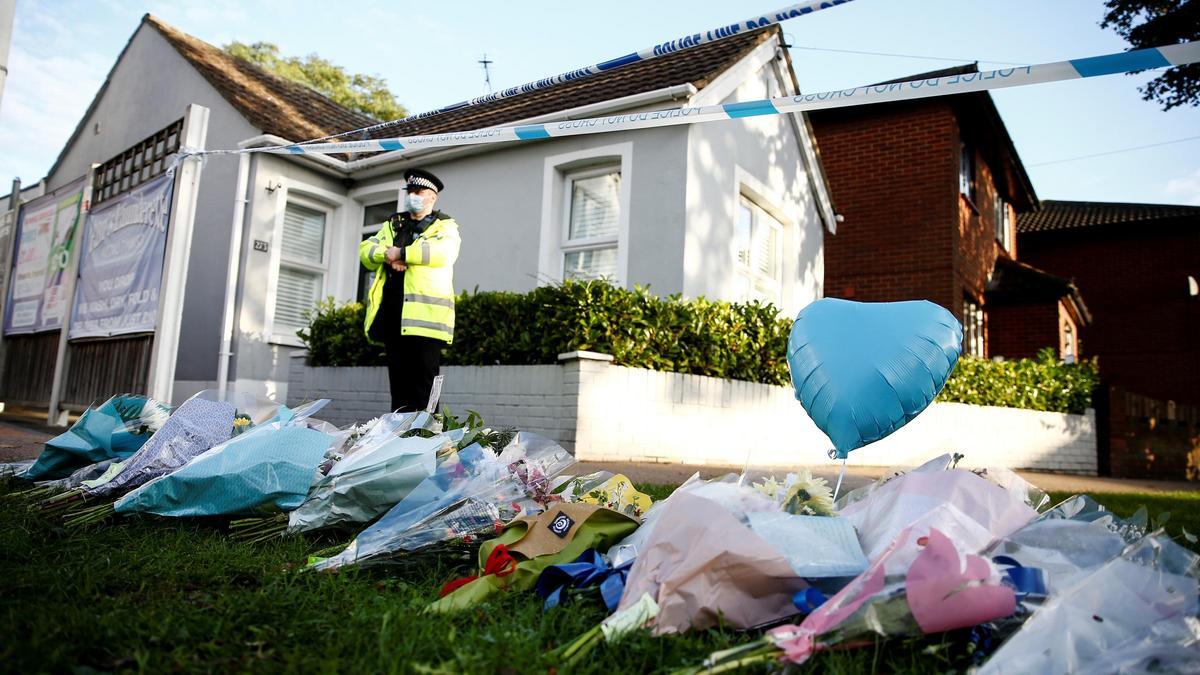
{"x": 795, "y": 641}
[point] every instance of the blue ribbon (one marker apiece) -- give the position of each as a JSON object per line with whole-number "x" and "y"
{"x": 808, "y": 600}
{"x": 1025, "y": 580}
{"x": 589, "y": 569}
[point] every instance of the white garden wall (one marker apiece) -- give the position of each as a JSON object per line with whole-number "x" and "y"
{"x": 612, "y": 413}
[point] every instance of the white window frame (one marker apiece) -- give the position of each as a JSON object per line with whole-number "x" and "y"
{"x": 748, "y": 270}
{"x": 371, "y": 195}
{"x": 570, "y": 245}
{"x": 365, "y": 231}
{"x": 318, "y": 199}
{"x": 968, "y": 182}
{"x": 973, "y": 328}
{"x": 558, "y": 173}
{"x": 356, "y": 232}
{"x": 1002, "y": 229}
{"x": 747, "y": 187}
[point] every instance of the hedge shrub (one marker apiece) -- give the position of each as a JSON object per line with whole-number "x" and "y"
{"x": 1043, "y": 383}
{"x": 739, "y": 341}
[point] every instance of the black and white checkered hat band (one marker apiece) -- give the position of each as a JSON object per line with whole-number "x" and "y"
{"x": 422, "y": 182}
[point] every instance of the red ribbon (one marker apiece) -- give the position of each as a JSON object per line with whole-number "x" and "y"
{"x": 500, "y": 563}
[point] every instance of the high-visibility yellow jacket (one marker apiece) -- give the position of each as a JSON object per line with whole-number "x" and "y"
{"x": 428, "y": 281}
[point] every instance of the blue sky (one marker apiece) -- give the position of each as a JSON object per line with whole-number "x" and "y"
{"x": 62, "y": 49}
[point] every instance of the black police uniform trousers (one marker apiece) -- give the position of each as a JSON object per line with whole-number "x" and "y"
{"x": 413, "y": 361}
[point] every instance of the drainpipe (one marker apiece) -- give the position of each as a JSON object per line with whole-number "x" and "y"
{"x": 240, "y": 201}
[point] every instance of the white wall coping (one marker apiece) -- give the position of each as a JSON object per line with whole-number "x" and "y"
{"x": 582, "y": 355}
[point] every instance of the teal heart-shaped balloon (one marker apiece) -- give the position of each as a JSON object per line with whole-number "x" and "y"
{"x": 864, "y": 369}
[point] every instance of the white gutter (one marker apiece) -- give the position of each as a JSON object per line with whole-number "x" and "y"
{"x": 805, "y": 135}
{"x": 240, "y": 201}
{"x": 323, "y": 162}
{"x": 326, "y": 162}
{"x": 672, "y": 93}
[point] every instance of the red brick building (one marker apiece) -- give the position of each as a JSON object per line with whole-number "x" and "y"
{"x": 1138, "y": 266}
{"x": 929, "y": 191}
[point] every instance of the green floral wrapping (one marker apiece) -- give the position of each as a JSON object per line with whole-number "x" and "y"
{"x": 603, "y": 528}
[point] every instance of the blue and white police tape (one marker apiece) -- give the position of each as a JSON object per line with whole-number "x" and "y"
{"x": 1108, "y": 64}
{"x": 660, "y": 49}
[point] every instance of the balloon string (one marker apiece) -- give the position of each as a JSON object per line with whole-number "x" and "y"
{"x": 838, "y": 487}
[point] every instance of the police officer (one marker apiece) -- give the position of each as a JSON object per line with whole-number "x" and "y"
{"x": 410, "y": 307}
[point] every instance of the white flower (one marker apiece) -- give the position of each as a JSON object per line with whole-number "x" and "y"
{"x": 800, "y": 493}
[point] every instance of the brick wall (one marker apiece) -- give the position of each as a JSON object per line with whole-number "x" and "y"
{"x": 1145, "y": 329}
{"x": 1148, "y": 438}
{"x": 907, "y": 232}
{"x": 893, "y": 171}
{"x": 604, "y": 412}
{"x": 542, "y": 399}
{"x": 975, "y": 246}
{"x": 1019, "y": 331}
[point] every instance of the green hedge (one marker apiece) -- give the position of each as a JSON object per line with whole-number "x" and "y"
{"x": 739, "y": 341}
{"x": 1044, "y": 383}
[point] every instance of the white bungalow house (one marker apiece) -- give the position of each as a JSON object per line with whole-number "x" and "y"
{"x": 729, "y": 210}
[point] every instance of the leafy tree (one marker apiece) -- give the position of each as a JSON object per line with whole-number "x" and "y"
{"x": 1154, "y": 23}
{"x": 367, "y": 94}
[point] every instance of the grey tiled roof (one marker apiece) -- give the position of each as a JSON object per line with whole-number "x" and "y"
{"x": 295, "y": 112}
{"x": 1064, "y": 215}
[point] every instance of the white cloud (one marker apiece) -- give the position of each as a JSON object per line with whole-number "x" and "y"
{"x": 44, "y": 99}
{"x": 1185, "y": 188}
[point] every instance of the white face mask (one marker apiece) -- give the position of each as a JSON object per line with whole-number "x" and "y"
{"x": 415, "y": 203}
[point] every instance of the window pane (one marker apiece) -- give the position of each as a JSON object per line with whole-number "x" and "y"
{"x": 766, "y": 244}
{"x": 366, "y": 277}
{"x": 298, "y": 292}
{"x": 741, "y": 233}
{"x": 373, "y": 217}
{"x": 591, "y": 264}
{"x": 998, "y": 217}
{"x": 966, "y": 172}
{"x": 972, "y": 328}
{"x": 375, "y": 214}
{"x": 303, "y": 234}
{"x": 595, "y": 206}
{"x": 766, "y": 294}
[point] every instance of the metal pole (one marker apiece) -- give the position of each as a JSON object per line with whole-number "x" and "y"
{"x": 231, "y": 283}
{"x": 54, "y": 417}
{"x": 161, "y": 381}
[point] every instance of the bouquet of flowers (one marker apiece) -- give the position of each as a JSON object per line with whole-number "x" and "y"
{"x": 799, "y": 494}
{"x": 115, "y": 429}
{"x": 265, "y": 468}
{"x": 472, "y": 492}
{"x": 200, "y": 423}
{"x": 368, "y": 482}
{"x": 941, "y": 590}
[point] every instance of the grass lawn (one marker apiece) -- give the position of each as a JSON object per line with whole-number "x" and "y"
{"x": 158, "y": 596}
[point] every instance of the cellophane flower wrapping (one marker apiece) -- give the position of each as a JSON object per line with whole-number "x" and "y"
{"x": 264, "y": 469}
{"x": 112, "y": 430}
{"x": 473, "y": 492}
{"x": 377, "y": 472}
{"x": 1142, "y": 604}
{"x": 201, "y": 422}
